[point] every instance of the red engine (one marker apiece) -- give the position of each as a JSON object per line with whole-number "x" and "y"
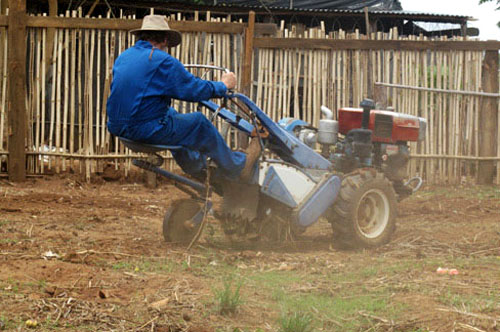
{"x": 387, "y": 126}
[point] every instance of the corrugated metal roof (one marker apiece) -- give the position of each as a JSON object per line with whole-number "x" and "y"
{"x": 400, "y": 13}
{"x": 317, "y": 4}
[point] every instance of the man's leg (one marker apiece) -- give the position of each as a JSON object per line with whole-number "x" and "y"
{"x": 195, "y": 132}
{"x": 191, "y": 162}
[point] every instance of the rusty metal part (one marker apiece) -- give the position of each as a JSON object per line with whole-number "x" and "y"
{"x": 240, "y": 200}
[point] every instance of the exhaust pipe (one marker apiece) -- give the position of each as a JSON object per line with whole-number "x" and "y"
{"x": 367, "y": 105}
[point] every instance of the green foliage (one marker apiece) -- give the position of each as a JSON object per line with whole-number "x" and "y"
{"x": 145, "y": 266}
{"x": 228, "y": 299}
{"x": 296, "y": 322}
{"x": 8, "y": 324}
{"x": 484, "y": 1}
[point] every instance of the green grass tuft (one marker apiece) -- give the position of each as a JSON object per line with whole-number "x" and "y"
{"x": 296, "y": 322}
{"x": 228, "y": 299}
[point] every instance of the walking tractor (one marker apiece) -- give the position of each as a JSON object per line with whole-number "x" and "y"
{"x": 350, "y": 171}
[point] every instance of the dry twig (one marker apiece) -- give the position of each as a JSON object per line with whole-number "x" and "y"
{"x": 470, "y": 327}
{"x": 480, "y": 316}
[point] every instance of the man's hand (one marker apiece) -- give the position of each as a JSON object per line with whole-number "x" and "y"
{"x": 229, "y": 79}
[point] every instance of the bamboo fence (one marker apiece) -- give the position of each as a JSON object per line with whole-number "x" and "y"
{"x": 68, "y": 88}
{"x": 3, "y": 91}
{"x": 296, "y": 82}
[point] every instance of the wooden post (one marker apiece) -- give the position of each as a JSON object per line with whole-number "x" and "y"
{"x": 3, "y": 7}
{"x": 246, "y": 78}
{"x": 488, "y": 118}
{"x": 17, "y": 89}
{"x": 367, "y": 23}
{"x": 50, "y": 35}
{"x": 246, "y": 72}
{"x": 463, "y": 28}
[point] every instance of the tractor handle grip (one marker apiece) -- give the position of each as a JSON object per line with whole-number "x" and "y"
{"x": 417, "y": 187}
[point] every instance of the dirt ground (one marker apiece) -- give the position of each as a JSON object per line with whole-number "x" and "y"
{"x": 77, "y": 256}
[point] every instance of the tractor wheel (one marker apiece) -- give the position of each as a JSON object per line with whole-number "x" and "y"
{"x": 364, "y": 214}
{"x": 177, "y": 225}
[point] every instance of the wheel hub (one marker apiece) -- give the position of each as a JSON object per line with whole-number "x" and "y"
{"x": 373, "y": 213}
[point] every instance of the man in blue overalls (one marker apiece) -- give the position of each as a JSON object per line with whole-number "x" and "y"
{"x": 145, "y": 79}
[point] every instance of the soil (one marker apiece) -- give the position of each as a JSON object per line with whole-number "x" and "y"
{"x": 69, "y": 250}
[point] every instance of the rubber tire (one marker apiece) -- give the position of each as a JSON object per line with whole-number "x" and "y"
{"x": 343, "y": 216}
{"x": 179, "y": 212}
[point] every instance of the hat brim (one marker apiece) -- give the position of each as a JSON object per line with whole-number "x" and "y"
{"x": 173, "y": 36}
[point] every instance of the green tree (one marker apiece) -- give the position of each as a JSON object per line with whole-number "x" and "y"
{"x": 498, "y": 6}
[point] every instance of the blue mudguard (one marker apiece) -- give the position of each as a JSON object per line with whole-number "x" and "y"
{"x": 318, "y": 202}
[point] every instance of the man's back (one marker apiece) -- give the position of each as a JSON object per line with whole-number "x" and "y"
{"x": 144, "y": 81}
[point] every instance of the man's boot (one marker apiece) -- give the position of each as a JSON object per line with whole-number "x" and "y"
{"x": 253, "y": 153}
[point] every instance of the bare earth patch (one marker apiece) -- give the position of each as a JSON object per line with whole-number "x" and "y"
{"x": 76, "y": 257}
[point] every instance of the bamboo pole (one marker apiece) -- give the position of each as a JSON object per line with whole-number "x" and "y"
{"x": 469, "y": 122}
{"x": 30, "y": 97}
{"x": 37, "y": 96}
{"x": 450, "y": 115}
{"x": 308, "y": 105}
{"x": 66, "y": 92}
{"x": 258, "y": 95}
{"x": 80, "y": 87}
{"x": 43, "y": 102}
{"x": 4, "y": 73}
{"x": 118, "y": 146}
{"x": 53, "y": 95}
{"x": 345, "y": 75}
{"x": 274, "y": 84}
{"x": 315, "y": 84}
{"x": 265, "y": 80}
{"x": 446, "y": 114}
{"x": 286, "y": 80}
{"x": 109, "y": 57}
{"x": 408, "y": 105}
{"x": 99, "y": 143}
{"x": 90, "y": 106}
{"x": 458, "y": 138}
{"x": 427, "y": 113}
{"x": 72, "y": 84}
{"x": 280, "y": 83}
{"x": 439, "y": 117}
{"x": 466, "y": 92}
{"x": 338, "y": 79}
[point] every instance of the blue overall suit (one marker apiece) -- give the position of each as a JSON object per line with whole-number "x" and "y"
{"x": 145, "y": 79}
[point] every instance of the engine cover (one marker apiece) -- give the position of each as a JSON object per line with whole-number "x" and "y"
{"x": 387, "y": 126}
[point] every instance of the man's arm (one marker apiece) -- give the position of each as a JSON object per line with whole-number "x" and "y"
{"x": 181, "y": 84}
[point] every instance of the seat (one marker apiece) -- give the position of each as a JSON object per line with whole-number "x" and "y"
{"x": 147, "y": 148}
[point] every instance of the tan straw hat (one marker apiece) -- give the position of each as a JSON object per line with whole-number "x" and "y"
{"x": 159, "y": 23}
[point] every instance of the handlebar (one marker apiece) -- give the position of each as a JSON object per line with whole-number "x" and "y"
{"x": 207, "y": 67}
